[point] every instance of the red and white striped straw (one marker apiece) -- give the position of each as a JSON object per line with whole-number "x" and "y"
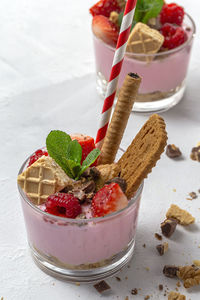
{"x": 115, "y": 71}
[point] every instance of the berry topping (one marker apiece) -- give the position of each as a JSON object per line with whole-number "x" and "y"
{"x": 104, "y": 7}
{"x": 63, "y": 205}
{"x": 172, "y": 13}
{"x": 39, "y": 153}
{"x": 87, "y": 144}
{"x": 174, "y": 36}
{"x": 108, "y": 200}
{"x": 104, "y": 29}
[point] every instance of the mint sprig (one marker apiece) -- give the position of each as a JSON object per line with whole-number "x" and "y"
{"x": 145, "y": 10}
{"x": 68, "y": 153}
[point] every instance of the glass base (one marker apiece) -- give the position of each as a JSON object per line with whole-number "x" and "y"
{"x": 162, "y": 101}
{"x": 87, "y": 275}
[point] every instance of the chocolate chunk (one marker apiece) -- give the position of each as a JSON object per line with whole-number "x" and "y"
{"x": 160, "y": 287}
{"x": 122, "y": 183}
{"x": 101, "y": 286}
{"x": 134, "y": 291}
{"x": 162, "y": 248}
{"x": 168, "y": 227}
{"x": 78, "y": 194}
{"x": 193, "y": 195}
{"x": 158, "y": 236}
{"x": 195, "y": 153}
{"x": 88, "y": 187}
{"x": 172, "y": 151}
{"x": 170, "y": 271}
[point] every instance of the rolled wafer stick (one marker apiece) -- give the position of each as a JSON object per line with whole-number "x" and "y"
{"x": 127, "y": 96}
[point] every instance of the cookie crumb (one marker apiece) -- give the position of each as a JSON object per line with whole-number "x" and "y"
{"x": 134, "y": 291}
{"x": 172, "y": 151}
{"x": 176, "y": 296}
{"x": 178, "y": 284}
{"x": 126, "y": 277}
{"x": 158, "y": 236}
{"x": 160, "y": 287}
{"x": 77, "y": 283}
{"x": 181, "y": 215}
{"x": 146, "y": 297}
{"x": 162, "y": 248}
{"x": 190, "y": 276}
{"x": 126, "y": 298}
{"x": 147, "y": 268}
{"x": 101, "y": 286}
{"x": 195, "y": 153}
{"x": 144, "y": 245}
{"x": 174, "y": 190}
{"x": 196, "y": 262}
{"x": 193, "y": 195}
{"x": 168, "y": 227}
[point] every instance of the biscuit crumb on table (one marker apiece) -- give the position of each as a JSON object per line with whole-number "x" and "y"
{"x": 176, "y": 296}
{"x": 190, "y": 276}
{"x": 181, "y": 215}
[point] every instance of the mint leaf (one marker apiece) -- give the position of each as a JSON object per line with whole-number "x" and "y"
{"x": 153, "y": 10}
{"x": 57, "y": 144}
{"x": 73, "y": 166}
{"x": 74, "y": 151}
{"x": 92, "y": 156}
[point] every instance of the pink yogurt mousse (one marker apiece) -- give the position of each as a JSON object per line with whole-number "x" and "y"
{"x": 161, "y": 74}
{"x": 92, "y": 242}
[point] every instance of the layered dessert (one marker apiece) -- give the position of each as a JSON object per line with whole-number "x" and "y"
{"x": 158, "y": 48}
{"x": 80, "y": 203}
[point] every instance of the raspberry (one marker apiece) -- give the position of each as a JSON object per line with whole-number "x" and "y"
{"x": 39, "y": 153}
{"x": 174, "y": 36}
{"x": 108, "y": 200}
{"x": 104, "y": 7}
{"x": 172, "y": 13}
{"x": 63, "y": 205}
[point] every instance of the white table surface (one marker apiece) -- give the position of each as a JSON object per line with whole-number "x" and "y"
{"x": 47, "y": 82}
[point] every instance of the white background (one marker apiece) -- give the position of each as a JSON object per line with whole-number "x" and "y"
{"x": 47, "y": 82}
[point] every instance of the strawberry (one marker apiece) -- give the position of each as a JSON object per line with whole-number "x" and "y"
{"x": 104, "y": 29}
{"x": 105, "y": 7}
{"x": 87, "y": 144}
{"x": 108, "y": 200}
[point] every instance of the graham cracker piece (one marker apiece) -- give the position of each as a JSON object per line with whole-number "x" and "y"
{"x": 144, "y": 40}
{"x": 123, "y": 108}
{"x": 190, "y": 276}
{"x": 141, "y": 156}
{"x": 176, "y": 296}
{"x": 107, "y": 172}
{"x": 42, "y": 179}
{"x": 181, "y": 215}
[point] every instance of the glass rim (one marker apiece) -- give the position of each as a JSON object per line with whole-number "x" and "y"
{"x": 135, "y": 55}
{"x": 78, "y": 221}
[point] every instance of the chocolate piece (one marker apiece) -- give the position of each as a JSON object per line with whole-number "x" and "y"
{"x": 118, "y": 279}
{"x": 193, "y": 195}
{"x": 88, "y": 187}
{"x": 195, "y": 153}
{"x": 101, "y": 286}
{"x": 172, "y": 151}
{"x": 162, "y": 248}
{"x": 92, "y": 172}
{"x": 122, "y": 183}
{"x": 134, "y": 291}
{"x": 168, "y": 227}
{"x": 170, "y": 271}
{"x": 78, "y": 194}
{"x": 160, "y": 287}
{"x": 158, "y": 236}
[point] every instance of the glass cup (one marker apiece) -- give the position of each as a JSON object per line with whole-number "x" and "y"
{"x": 163, "y": 74}
{"x": 80, "y": 250}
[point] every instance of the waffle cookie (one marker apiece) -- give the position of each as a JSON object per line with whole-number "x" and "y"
{"x": 42, "y": 178}
{"x": 141, "y": 156}
{"x": 144, "y": 40}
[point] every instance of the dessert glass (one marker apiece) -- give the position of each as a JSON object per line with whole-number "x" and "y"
{"x": 163, "y": 74}
{"x": 80, "y": 250}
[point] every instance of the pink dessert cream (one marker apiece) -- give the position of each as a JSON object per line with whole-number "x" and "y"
{"x": 162, "y": 64}
{"x": 76, "y": 221}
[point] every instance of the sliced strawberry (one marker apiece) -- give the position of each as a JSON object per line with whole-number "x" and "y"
{"x": 108, "y": 200}
{"x": 87, "y": 144}
{"x": 104, "y": 29}
{"x": 104, "y": 7}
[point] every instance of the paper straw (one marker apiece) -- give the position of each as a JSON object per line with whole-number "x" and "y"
{"x": 115, "y": 71}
